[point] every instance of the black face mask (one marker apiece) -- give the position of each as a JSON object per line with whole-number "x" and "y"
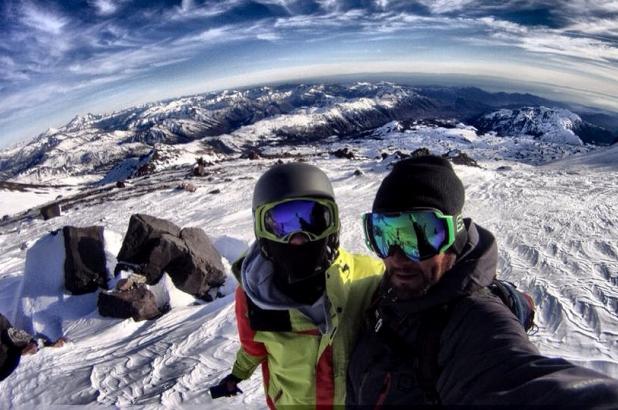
{"x": 299, "y": 270}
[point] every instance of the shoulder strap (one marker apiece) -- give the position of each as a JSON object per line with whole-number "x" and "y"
{"x": 520, "y": 303}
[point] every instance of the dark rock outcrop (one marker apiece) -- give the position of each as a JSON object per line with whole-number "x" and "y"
{"x": 137, "y": 302}
{"x": 153, "y": 246}
{"x": 50, "y": 211}
{"x": 200, "y": 267}
{"x": 199, "y": 170}
{"x": 167, "y": 249}
{"x": 142, "y": 236}
{"x": 252, "y": 154}
{"x": 85, "y": 269}
{"x": 343, "y": 153}
{"x": 461, "y": 158}
{"x": 420, "y": 152}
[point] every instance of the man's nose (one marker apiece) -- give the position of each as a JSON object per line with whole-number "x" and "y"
{"x": 400, "y": 258}
{"x": 298, "y": 239}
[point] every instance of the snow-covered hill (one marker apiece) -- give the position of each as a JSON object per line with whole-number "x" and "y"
{"x": 229, "y": 122}
{"x": 546, "y": 124}
{"x": 554, "y": 226}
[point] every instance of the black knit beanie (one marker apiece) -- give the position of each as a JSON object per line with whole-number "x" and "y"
{"x": 423, "y": 182}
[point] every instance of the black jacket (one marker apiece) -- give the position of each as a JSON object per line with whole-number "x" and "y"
{"x": 484, "y": 354}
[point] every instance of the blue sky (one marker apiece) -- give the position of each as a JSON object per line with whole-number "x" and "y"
{"x": 62, "y": 58}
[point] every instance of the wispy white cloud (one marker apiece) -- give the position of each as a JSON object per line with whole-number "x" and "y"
{"x": 105, "y": 7}
{"x": 446, "y": 6}
{"x": 602, "y": 26}
{"x": 42, "y": 19}
{"x": 189, "y": 10}
{"x": 551, "y": 41}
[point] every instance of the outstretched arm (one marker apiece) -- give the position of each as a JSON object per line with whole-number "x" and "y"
{"x": 487, "y": 358}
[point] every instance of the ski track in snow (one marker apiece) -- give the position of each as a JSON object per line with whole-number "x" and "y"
{"x": 556, "y": 237}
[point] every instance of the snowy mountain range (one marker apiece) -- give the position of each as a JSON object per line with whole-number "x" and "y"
{"x": 216, "y": 125}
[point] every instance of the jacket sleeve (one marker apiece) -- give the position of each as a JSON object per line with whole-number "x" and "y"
{"x": 488, "y": 359}
{"x": 251, "y": 353}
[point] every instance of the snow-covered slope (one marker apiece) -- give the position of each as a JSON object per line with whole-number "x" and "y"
{"x": 554, "y": 226}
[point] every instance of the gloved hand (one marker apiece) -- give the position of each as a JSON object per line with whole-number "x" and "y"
{"x": 228, "y": 386}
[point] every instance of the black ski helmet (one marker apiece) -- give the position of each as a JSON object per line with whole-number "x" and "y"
{"x": 291, "y": 180}
{"x": 296, "y": 180}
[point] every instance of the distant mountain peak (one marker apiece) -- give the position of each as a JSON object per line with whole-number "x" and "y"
{"x": 556, "y": 125}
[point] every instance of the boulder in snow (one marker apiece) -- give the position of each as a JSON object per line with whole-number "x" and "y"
{"x": 252, "y": 154}
{"x": 461, "y": 158}
{"x": 420, "y": 152}
{"x": 199, "y": 170}
{"x": 187, "y": 186}
{"x": 142, "y": 236}
{"x": 85, "y": 268}
{"x": 343, "y": 153}
{"x": 200, "y": 267}
{"x": 153, "y": 246}
{"x": 137, "y": 302}
{"x": 166, "y": 249}
{"x": 50, "y": 211}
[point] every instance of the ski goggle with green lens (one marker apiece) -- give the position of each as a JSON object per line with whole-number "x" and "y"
{"x": 419, "y": 233}
{"x": 316, "y": 218}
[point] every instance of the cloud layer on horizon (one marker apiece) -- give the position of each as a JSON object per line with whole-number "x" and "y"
{"x": 58, "y": 53}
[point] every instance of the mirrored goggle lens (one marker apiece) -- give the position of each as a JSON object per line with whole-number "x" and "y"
{"x": 298, "y": 215}
{"x": 418, "y": 234}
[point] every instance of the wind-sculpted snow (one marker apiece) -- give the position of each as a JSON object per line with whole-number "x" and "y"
{"x": 555, "y": 225}
{"x": 566, "y": 256}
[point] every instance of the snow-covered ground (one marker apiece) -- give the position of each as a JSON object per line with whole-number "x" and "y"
{"x": 555, "y": 225}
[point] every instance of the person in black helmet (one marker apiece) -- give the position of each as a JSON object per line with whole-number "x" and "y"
{"x": 437, "y": 334}
{"x": 299, "y": 303}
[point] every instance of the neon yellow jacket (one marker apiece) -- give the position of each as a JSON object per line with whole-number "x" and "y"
{"x": 294, "y": 362}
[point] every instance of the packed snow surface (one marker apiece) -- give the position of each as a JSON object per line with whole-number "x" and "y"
{"x": 555, "y": 226}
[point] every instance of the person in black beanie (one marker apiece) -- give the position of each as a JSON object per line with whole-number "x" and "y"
{"x": 442, "y": 329}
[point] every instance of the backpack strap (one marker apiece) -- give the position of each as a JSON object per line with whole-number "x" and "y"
{"x": 520, "y": 303}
